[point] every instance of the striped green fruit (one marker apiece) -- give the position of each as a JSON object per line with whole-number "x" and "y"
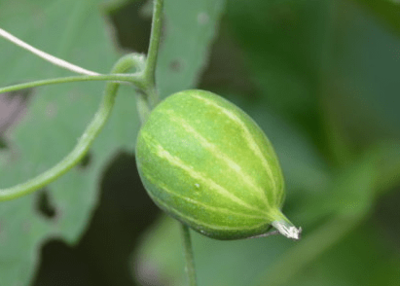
{"x": 208, "y": 164}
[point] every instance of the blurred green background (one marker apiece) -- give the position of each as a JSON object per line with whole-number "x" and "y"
{"x": 322, "y": 79}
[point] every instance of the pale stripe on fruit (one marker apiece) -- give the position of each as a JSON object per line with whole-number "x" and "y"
{"x": 247, "y": 136}
{"x": 202, "y": 223}
{"x": 173, "y": 160}
{"x": 219, "y": 154}
{"x": 202, "y": 205}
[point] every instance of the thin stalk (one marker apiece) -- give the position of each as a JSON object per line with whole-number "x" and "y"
{"x": 120, "y": 78}
{"x": 83, "y": 145}
{"x": 143, "y": 106}
{"x": 155, "y": 36}
{"x": 148, "y": 97}
{"x": 189, "y": 259}
{"x": 52, "y": 59}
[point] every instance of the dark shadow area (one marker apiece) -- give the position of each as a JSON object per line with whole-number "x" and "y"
{"x": 132, "y": 26}
{"x": 226, "y": 71}
{"x": 3, "y": 143}
{"x": 85, "y": 162}
{"x": 387, "y": 217}
{"x": 44, "y": 205}
{"x": 102, "y": 256}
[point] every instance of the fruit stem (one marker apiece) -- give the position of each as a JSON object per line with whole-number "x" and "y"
{"x": 187, "y": 242}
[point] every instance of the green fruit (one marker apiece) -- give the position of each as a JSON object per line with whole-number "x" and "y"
{"x": 208, "y": 164}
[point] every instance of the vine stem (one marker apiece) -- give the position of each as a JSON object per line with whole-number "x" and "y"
{"x": 52, "y": 59}
{"x": 83, "y": 145}
{"x": 189, "y": 259}
{"x": 154, "y": 45}
{"x": 120, "y": 78}
{"x": 149, "y": 73}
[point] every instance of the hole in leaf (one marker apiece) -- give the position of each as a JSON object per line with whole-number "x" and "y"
{"x": 176, "y": 65}
{"x": 86, "y": 161}
{"x": 132, "y": 25}
{"x": 44, "y": 205}
{"x": 12, "y": 108}
{"x": 3, "y": 144}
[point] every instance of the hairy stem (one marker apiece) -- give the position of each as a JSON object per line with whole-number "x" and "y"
{"x": 83, "y": 145}
{"x": 189, "y": 259}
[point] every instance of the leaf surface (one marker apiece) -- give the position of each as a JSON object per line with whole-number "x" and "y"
{"x": 77, "y": 32}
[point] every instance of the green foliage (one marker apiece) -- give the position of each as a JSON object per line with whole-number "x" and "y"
{"x": 75, "y": 31}
{"x": 48, "y": 131}
{"x": 321, "y": 78}
{"x": 185, "y": 48}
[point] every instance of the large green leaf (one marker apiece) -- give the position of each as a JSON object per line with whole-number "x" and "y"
{"x": 387, "y": 11}
{"x": 57, "y": 115}
{"x": 189, "y": 28}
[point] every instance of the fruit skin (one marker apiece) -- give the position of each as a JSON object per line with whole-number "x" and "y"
{"x": 207, "y": 163}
